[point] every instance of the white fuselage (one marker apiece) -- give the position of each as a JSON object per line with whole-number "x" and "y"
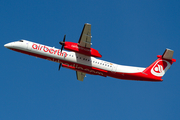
{"x": 67, "y": 58}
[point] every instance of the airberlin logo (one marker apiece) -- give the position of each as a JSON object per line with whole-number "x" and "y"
{"x": 160, "y": 68}
{"x": 48, "y": 49}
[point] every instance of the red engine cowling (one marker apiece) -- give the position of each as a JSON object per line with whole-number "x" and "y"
{"x": 82, "y": 50}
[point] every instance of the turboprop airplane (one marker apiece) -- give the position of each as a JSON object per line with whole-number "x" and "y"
{"x": 84, "y": 59}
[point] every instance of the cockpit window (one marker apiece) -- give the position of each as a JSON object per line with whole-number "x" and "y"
{"x": 21, "y": 41}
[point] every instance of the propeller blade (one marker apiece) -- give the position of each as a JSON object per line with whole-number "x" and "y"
{"x": 62, "y": 48}
{"x": 64, "y": 38}
{"x": 60, "y": 66}
{"x": 62, "y": 43}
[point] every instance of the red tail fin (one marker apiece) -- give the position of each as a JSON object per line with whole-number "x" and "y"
{"x": 161, "y": 65}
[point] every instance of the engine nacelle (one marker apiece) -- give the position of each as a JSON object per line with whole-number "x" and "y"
{"x": 82, "y": 50}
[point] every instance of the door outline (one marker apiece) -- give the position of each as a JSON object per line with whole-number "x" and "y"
{"x": 114, "y": 68}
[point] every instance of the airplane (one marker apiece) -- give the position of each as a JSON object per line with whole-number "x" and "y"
{"x": 82, "y": 58}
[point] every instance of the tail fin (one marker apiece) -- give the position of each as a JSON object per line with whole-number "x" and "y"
{"x": 161, "y": 65}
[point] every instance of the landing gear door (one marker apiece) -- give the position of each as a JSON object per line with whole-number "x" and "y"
{"x": 114, "y": 67}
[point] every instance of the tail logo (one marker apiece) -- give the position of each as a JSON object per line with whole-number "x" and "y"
{"x": 160, "y": 68}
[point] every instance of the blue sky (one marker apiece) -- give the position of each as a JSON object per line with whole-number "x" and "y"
{"x": 125, "y": 32}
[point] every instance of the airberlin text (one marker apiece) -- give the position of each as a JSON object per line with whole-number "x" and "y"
{"x": 48, "y": 49}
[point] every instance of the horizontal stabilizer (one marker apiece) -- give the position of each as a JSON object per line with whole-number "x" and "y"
{"x": 168, "y": 54}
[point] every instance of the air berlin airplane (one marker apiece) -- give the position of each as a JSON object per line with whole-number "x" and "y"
{"x": 83, "y": 59}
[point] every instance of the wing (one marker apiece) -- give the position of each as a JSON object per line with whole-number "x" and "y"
{"x": 80, "y": 75}
{"x": 85, "y": 38}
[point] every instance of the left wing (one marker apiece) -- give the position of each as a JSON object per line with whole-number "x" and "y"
{"x": 80, "y": 75}
{"x": 85, "y": 38}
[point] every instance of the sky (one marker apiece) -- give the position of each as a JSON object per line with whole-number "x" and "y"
{"x": 125, "y": 32}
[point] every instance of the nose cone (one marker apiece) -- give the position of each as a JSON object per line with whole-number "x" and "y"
{"x": 8, "y": 45}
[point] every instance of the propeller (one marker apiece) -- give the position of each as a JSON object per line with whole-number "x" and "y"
{"x": 62, "y": 43}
